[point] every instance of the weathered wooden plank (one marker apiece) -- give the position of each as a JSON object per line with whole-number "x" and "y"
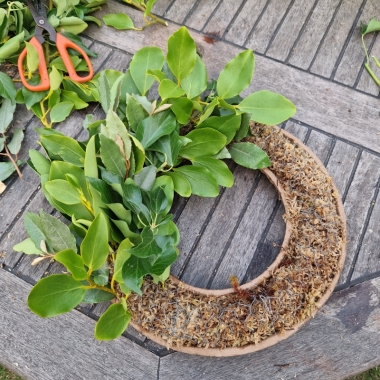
{"x": 304, "y": 51}
{"x": 296, "y": 130}
{"x": 201, "y": 14}
{"x": 263, "y": 31}
{"x": 326, "y": 107}
{"x": 179, "y": 10}
{"x": 222, "y": 17}
{"x": 366, "y": 83}
{"x": 341, "y": 164}
{"x": 160, "y": 7}
{"x": 357, "y": 204}
{"x": 368, "y": 259}
{"x": 352, "y": 60}
{"x": 117, "y": 61}
{"x": 339, "y": 342}
{"x": 190, "y": 224}
{"x": 63, "y": 347}
{"x": 249, "y": 232}
{"x": 18, "y": 233}
{"x": 286, "y": 36}
{"x": 245, "y": 21}
{"x": 320, "y": 144}
{"x": 335, "y": 38}
{"x": 223, "y": 220}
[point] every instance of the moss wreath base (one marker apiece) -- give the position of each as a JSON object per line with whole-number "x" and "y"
{"x": 277, "y": 303}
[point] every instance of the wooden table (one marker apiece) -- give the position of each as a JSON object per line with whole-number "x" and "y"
{"x": 309, "y": 51}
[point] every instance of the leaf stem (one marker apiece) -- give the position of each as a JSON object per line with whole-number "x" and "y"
{"x": 142, "y": 9}
{"x": 374, "y": 77}
{"x": 8, "y": 153}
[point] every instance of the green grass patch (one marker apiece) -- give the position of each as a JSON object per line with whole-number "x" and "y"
{"x": 371, "y": 374}
{"x": 8, "y": 375}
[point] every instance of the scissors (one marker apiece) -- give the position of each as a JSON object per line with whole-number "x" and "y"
{"x": 62, "y": 43}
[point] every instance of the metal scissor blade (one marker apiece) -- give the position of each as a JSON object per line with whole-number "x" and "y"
{"x": 37, "y": 9}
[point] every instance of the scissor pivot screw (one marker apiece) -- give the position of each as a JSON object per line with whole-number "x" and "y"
{"x": 41, "y": 22}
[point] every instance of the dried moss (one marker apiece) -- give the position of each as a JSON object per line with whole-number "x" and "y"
{"x": 289, "y": 296}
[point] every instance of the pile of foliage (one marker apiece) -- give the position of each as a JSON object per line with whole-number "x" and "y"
{"x": 116, "y": 189}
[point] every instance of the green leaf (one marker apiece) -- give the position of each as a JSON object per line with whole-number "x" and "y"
{"x": 57, "y": 233}
{"x": 61, "y": 111}
{"x": 6, "y": 169}
{"x": 244, "y": 127}
{"x": 152, "y": 128}
{"x": 63, "y": 191}
{"x": 73, "y": 263}
{"x": 202, "y": 181}
{"x": 71, "y": 25}
{"x": 169, "y": 89}
{"x": 32, "y": 223}
{"x": 196, "y": 82}
{"x": 146, "y": 177}
{"x": 204, "y": 142}
{"x": 112, "y": 157}
{"x": 112, "y": 323}
{"x": 119, "y": 21}
{"x": 132, "y": 199}
{"x": 104, "y": 88}
{"x": 55, "y": 295}
{"x": 169, "y": 145}
{"x": 158, "y": 201}
{"x": 182, "y": 54}
{"x": 72, "y": 97}
{"x": 147, "y": 247}
{"x": 55, "y": 78}
{"x": 181, "y": 184}
{"x": 65, "y": 147}
{"x": 100, "y": 276}
{"x": 373, "y": 26}
{"x": 32, "y": 59}
{"x": 7, "y": 110}
{"x": 28, "y": 247}
{"x": 39, "y": 162}
{"x": 208, "y": 111}
{"x": 267, "y": 107}
{"x": 183, "y": 108}
{"x": 217, "y": 167}
{"x": 135, "y": 112}
{"x": 94, "y": 247}
{"x": 228, "y": 125}
{"x": 147, "y": 58}
{"x": 7, "y": 88}
{"x": 249, "y": 155}
{"x": 15, "y": 145}
{"x": 166, "y": 183}
{"x": 122, "y": 256}
{"x": 97, "y": 295}
{"x": 158, "y": 75}
{"x": 90, "y": 163}
{"x": 236, "y": 76}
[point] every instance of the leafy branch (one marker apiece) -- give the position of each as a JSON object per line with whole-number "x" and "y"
{"x": 373, "y": 26}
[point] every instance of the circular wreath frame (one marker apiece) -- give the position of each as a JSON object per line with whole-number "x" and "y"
{"x": 275, "y": 338}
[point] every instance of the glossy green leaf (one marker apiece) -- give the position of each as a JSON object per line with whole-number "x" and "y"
{"x": 6, "y": 169}
{"x": 32, "y": 223}
{"x": 7, "y": 87}
{"x": 181, "y": 184}
{"x": 119, "y": 21}
{"x": 204, "y": 142}
{"x": 236, "y": 75}
{"x": 228, "y": 125}
{"x": 55, "y": 295}
{"x": 71, "y": 96}
{"x": 135, "y": 112}
{"x": 15, "y": 144}
{"x": 112, "y": 157}
{"x": 152, "y": 128}
{"x": 28, "y": 247}
{"x": 147, "y": 58}
{"x": 132, "y": 199}
{"x": 208, "y": 111}
{"x": 100, "y": 277}
{"x": 112, "y": 323}
{"x": 73, "y": 263}
{"x": 57, "y": 233}
{"x": 146, "y": 177}
{"x": 7, "y": 110}
{"x": 61, "y": 111}
{"x": 158, "y": 75}
{"x": 122, "y": 256}
{"x": 183, "y": 108}
{"x": 94, "y": 248}
{"x": 244, "y": 126}
{"x": 71, "y": 24}
{"x": 267, "y": 107}
{"x": 249, "y": 155}
{"x": 166, "y": 183}
{"x": 196, "y": 82}
{"x": 90, "y": 163}
{"x": 217, "y": 167}
{"x": 97, "y": 296}
{"x": 32, "y": 59}
{"x": 63, "y": 191}
{"x": 39, "y": 162}
{"x": 202, "y": 181}
{"x": 182, "y": 54}
{"x": 147, "y": 247}
{"x": 169, "y": 145}
{"x": 373, "y": 26}
{"x": 169, "y": 89}
{"x": 158, "y": 201}
{"x": 55, "y": 78}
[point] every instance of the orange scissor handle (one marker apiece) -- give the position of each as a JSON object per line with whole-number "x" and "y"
{"x": 45, "y": 83}
{"x": 63, "y": 44}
